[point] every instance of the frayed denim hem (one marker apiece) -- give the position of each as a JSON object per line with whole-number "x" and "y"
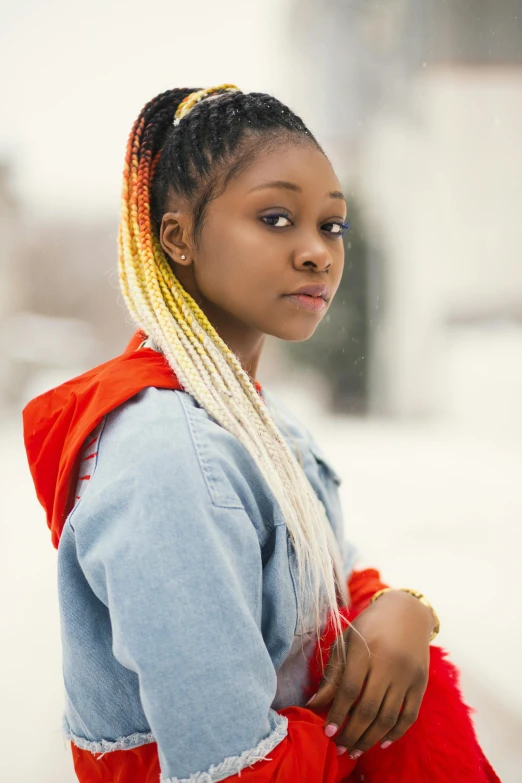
{"x": 107, "y": 746}
{"x": 234, "y": 764}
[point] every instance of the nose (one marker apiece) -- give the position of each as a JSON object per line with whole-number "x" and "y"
{"x": 313, "y": 255}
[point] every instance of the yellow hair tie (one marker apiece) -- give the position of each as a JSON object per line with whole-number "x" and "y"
{"x": 191, "y": 100}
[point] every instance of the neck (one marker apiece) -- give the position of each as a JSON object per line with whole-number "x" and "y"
{"x": 249, "y": 356}
{"x": 247, "y": 344}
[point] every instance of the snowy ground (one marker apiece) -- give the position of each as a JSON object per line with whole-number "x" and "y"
{"x": 435, "y": 508}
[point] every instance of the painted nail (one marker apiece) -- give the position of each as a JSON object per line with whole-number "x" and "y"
{"x": 310, "y": 700}
{"x": 340, "y": 750}
{"x": 331, "y": 729}
{"x": 355, "y": 754}
{"x": 386, "y": 744}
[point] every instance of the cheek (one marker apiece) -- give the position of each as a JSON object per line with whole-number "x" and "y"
{"x": 236, "y": 262}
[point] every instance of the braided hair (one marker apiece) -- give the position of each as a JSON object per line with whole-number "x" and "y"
{"x": 192, "y": 142}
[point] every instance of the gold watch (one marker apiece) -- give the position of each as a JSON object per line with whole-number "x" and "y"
{"x": 420, "y": 597}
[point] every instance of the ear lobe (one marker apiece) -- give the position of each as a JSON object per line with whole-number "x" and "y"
{"x": 173, "y": 233}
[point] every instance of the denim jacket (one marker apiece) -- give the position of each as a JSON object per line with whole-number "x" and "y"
{"x": 177, "y": 589}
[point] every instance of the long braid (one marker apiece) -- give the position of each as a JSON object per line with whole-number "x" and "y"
{"x": 182, "y": 156}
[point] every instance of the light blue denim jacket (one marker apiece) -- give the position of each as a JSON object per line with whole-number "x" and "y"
{"x": 177, "y": 590}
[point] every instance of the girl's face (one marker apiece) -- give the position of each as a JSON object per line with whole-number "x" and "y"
{"x": 270, "y": 255}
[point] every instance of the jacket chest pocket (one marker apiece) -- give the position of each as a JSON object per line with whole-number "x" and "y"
{"x": 324, "y": 468}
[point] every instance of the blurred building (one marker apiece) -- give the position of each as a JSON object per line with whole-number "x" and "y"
{"x": 11, "y": 285}
{"x": 420, "y": 107}
{"x": 60, "y": 307}
{"x": 73, "y": 316}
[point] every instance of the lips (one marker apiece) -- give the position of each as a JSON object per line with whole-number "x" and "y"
{"x": 312, "y": 297}
{"x": 316, "y": 290}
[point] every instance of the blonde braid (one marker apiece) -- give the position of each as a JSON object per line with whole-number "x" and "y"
{"x": 213, "y": 375}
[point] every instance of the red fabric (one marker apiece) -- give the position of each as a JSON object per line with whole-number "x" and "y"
{"x": 441, "y": 746}
{"x": 57, "y": 423}
{"x": 139, "y": 765}
{"x": 362, "y": 585}
{"x": 306, "y": 755}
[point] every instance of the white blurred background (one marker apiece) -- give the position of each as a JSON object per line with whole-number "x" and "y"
{"x": 417, "y": 399}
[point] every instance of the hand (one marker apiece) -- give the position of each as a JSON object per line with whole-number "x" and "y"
{"x": 381, "y": 685}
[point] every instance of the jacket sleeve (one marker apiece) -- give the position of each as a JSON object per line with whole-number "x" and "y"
{"x": 182, "y": 580}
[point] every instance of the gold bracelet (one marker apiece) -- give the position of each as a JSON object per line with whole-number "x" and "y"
{"x": 419, "y": 597}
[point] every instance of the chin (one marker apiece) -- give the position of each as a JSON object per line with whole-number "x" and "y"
{"x": 294, "y": 332}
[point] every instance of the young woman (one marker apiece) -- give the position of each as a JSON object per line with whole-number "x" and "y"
{"x": 213, "y": 624}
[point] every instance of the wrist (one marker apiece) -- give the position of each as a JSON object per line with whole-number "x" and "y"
{"x": 406, "y": 595}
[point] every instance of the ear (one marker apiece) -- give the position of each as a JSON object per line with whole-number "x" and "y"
{"x": 174, "y": 237}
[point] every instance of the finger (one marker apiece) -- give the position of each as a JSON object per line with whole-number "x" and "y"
{"x": 351, "y": 684}
{"x": 363, "y": 715}
{"x": 332, "y": 676}
{"x": 384, "y": 722}
{"x": 408, "y": 715}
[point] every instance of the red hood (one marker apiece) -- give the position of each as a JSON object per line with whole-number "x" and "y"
{"x": 57, "y": 423}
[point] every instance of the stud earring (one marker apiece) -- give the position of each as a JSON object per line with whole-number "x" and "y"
{"x": 183, "y": 258}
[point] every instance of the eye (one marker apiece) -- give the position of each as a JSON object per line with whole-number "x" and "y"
{"x": 336, "y": 228}
{"x": 277, "y": 220}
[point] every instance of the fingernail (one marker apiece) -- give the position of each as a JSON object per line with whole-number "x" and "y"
{"x": 310, "y": 700}
{"x": 355, "y": 754}
{"x": 386, "y": 744}
{"x": 331, "y": 729}
{"x": 340, "y": 750}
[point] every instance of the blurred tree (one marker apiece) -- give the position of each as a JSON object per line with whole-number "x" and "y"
{"x": 340, "y": 346}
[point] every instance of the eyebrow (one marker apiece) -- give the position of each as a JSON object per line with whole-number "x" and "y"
{"x": 281, "y": 183}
